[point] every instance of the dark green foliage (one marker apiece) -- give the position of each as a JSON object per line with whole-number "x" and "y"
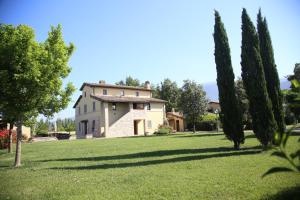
{"x": 270, "y": 70}
{"x": 231, "y": 112}
{"x": 169, "y": 91}
{"x": 243, "y": 103}
{"x": 193, "y": 101}
{"x": 292, "y": 96}
{"x": 129, "y": 82}
{"x": 264, "y": 124}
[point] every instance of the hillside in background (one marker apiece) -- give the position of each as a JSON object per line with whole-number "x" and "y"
{"x": 211, "y": 89}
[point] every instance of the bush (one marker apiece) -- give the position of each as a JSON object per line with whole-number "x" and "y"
{"x": 163, "y": 130}
{"x": 204, "y": 125}
{"x": 4, "y": 138}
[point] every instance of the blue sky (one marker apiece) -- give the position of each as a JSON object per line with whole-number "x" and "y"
{"x": 153, "y": 40}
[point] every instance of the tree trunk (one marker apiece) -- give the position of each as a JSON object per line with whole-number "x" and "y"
{"x": 236, "y": 145}
{"x": 11, "y": 125}
{"x": 19, "y": 141}
{"x": 194, "y": 126}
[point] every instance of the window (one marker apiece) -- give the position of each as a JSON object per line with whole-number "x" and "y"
{"x": 93, "y": 90}
{"x": 85, "y": 108}
{"x": 84, "y": 94}
{"x": 138, "y": 106}
{"x": 149, "y": 124}
{"x": 79, "y": 127}
{"x": 148, "y": 106}
{"x": 122, "y": 93}
{"x": 137, "y": 94}
{"x": 114, "y": 106}
{"x": 79, "y": 110}
{"x": 93, "y": 126}
{"x": 94, "y": 106}
{"x": 104, "y": 91}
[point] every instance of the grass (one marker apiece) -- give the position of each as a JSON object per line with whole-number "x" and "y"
{"x": 180, "y": 166}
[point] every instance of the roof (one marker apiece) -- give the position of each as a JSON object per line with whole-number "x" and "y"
{"x": 125, "y": 99}
{"x": 77, "y": 101}
{"x": 216, "y": 102}
{"x": 103, "y": 85}
{"x": 176, "y": 114}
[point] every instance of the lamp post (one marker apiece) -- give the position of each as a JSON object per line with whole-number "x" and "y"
{"x": 217, "y": 121}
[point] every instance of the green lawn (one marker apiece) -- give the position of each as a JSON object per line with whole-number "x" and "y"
{"x": 180, "y": 166}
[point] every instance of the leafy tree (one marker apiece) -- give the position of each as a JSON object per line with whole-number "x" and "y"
{"x": 67, "y": 124}
{"x": 230, "y": 109}
{"x": 292, "y": 96}
{"x": 193, "y": 101}
{"x": 32, "y": 75}
{"x": 42, "y": 127}
{"x": 243, "y": 103}
{"x": 169, "y": 92}
{"x": 129, "y": 82}
{"x": 270, "y": 71}
{"x": 264, "y": 124}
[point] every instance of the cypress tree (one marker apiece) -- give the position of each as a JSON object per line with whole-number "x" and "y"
{"x": 231, "y": 112}
{"x": 270, "y": 70}
{"x": 264, "y": 124}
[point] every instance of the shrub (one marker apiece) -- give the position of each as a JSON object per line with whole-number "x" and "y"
{"x": 4, "y": 138}
{"x": 204, "y": 125}
{"x": 163, "y": 130}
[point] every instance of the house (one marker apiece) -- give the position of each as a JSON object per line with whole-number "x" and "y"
{"x": 26, "y": 131}
{"x": 213, "y": 107}
{"x": 175, "y": 120}
{"x": 105, "y": 110}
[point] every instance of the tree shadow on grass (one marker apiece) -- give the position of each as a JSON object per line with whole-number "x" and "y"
{"x": 160, "y": 161}
{"x": 287, "y": 194}
{"x": 151, "y": 154}
{"x": 199, "y": 135}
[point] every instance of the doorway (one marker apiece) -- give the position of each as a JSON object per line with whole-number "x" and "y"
{"x": 177, "y": 125}
{"x": 136, "y": 128}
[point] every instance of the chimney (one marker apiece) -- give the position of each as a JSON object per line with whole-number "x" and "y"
{"x": 173, "y": 110}
{"x": 147, "y": 85}
{"x": 101, "y": 82}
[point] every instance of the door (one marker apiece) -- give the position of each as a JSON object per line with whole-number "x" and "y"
{"x": 177, "y": 125}
{"x": 135, "y": 124}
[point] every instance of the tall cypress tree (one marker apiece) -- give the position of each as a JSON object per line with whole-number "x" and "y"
{"x": 270, "y": 70}
{"x": 264, "y": 124}
{"x": 231, "y": 112}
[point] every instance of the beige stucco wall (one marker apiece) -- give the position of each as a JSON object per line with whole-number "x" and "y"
{"x": 121, "y": 121}
{"x": 25, "y": 130}
{"x": 115, "y": 92}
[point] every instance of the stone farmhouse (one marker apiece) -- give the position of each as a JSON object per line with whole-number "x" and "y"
{"x": 106, "y": 110}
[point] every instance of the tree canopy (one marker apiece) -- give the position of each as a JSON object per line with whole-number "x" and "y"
{"x": 230, "y": 110}
{"x": 193, "y": 101}
{"x": 32, "y": 74}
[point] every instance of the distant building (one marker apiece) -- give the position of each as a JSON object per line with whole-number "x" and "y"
{"x": 175, "y": 120}
{"x": 105, "y": 110}
{"x": 213, "y": 106}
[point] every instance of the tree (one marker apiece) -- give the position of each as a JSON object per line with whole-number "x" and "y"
{"x": 230, "y": 109}
{"x": 293, "y": 95}
{"x": 42, "y": 127}
{"x": 193, "y": 101}
{"x": 243, "y": 103}
{"x": 169, "y": 92}
{"x": 32, "y": 75}
{"x": 264, "y": 124}
{"x": 67, "y": 124}
{"x": 129, "y": 82}
{"x": 270, "y": 71}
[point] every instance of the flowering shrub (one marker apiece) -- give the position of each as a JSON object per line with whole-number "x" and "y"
{"x": 4, "y": 138}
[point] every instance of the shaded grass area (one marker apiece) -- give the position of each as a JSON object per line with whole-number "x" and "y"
{"x": 179, "y": 166}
